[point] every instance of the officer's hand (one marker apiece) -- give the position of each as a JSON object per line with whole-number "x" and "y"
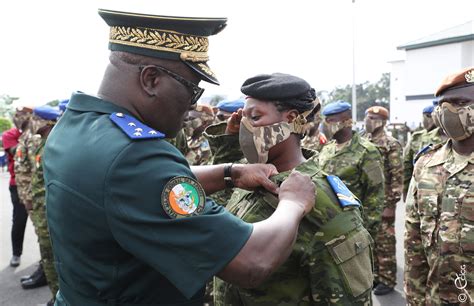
{"x": 252, "y": 176}
{"x": 300, "y": 189}
{"x": 233, "y": 123}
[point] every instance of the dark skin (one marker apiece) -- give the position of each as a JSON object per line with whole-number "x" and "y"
{"x": 460, "y": 97}
{"x": 162, "y": 102}
{"x": 344, "y": 134}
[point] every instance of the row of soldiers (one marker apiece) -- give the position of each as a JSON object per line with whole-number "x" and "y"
{"x": 371, "y": 164}
{"x": 35, "y": 125}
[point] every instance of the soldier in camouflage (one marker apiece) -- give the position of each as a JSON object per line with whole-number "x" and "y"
{"x": 439, "y": 236}
{"x": 48, "y": 117}
{"x": 385, "y": 254}
{"x": 431, "y": 134}
{"x": 355, "y": 160}
{"x": 23, "y": 162}
{"x": 195, "y": 123}
{"x": 331, "y": 261}
{"x": 314, "y": 140}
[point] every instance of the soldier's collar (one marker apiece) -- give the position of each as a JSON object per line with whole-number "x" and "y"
{"x": 440, "y": 156}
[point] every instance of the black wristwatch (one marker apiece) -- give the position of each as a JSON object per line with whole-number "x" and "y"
{"x": 228, "y": 176}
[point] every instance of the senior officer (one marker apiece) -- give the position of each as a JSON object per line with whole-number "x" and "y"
{"x": 129, "y": 221}
{"x": 439, "y": 236}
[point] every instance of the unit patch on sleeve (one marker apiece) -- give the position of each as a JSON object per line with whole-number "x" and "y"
{"x": 183, "y": 197}
{"x": 344, "y": 195}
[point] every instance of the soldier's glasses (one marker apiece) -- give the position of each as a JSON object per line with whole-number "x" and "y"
{"x": 195, "y": 90}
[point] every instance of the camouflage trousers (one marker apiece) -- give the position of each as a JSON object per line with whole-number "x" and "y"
{"x": 38, "y": 217}
{"x": 385, "y": 254}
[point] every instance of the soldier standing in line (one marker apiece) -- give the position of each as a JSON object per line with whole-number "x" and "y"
{"x": 439, "y": 225}
{"x": 314, "y": 140}
{"x": 10, "y": 141}
{"x": 226, "y": 108}
{"x": 195, "y": 123}
{"x": 391, "y": 149}
{"x": 355, "y": 160}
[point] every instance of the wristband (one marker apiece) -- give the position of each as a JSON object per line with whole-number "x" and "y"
{"x": 228, "y": 176}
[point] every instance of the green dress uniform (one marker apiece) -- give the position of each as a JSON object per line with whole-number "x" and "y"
{"x": 439, "y": 229}
{"x": 331, "y": 262}
{"x": 359, "y": 165}
{"x": 129, "y": 223}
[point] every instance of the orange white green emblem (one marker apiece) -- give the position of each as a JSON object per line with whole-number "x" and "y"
{"x": 183, "y": 197}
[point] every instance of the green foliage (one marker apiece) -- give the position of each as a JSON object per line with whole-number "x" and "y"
{"x": 6, "y": 106}
{"x": 368, "y": 94}
{"x": 216, "y": 99}
{"x": 5, "y": 124}
{"x": 53, "y": 103}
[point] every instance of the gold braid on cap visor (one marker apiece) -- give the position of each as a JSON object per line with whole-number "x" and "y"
{"x": 191, "y": 48}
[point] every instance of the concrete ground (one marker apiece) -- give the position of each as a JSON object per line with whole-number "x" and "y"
{"x": 11, "y": 293}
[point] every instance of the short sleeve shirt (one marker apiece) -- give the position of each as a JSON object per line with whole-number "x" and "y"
{"x": 112, "y": 237}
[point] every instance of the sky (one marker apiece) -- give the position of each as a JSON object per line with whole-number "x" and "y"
{"x": 52, "y": 48}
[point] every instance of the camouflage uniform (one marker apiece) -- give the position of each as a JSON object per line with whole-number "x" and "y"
{"x": 38, "y": 216}
{"x": 199, "y": 151}
{"x": 23, "y": 166}
{"x": 420, "y": 140}
{"x": 439, "y": 236}
{"x": 385, "y": 253}
{"x": 180, "y": 142}
{"x": 359, "y": 165}
{"x": 313, "y": 142}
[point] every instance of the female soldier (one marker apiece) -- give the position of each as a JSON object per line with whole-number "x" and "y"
{"x": 331, "y": 262}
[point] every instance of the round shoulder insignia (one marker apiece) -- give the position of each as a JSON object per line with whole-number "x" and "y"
{"x": 183, "y": 197}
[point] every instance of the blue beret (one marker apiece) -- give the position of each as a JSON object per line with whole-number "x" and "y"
{"x": 62, "y": 105}
{"x": 336, "y": 108}
{"x": 428, "y": 110}
{"x": 231, "y": 106}
{"x": 47, "y": 112}
{"x": 435, "y": 102}
{"x": 275, "y": 87}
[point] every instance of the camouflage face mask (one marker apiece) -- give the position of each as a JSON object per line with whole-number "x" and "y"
{"x": 457, "y": 122}
{"x": 256, "y": 142}
{"x": 329, "y": 129}
{"x": 372, "y": 124}
{"x": 428, "y": 122}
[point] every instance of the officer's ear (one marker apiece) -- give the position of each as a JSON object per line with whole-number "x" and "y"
{"x": 291, "y": 115}
{"x": 150, "y": 77}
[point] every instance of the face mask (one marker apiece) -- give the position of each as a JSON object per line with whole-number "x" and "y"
{"x": 457, "y": 122}
{"x": 256, "y": 142}
{"x": 428, "y": 122}
{"x": 191, "y": 125}
{"x": 372, "y": 124}
{"x": 329, "y": 129}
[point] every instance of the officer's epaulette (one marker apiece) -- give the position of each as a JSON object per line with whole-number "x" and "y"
{"x": 133, "y": 127}
{"x": 425, "y": 150}
{"x": 344, "y": 195}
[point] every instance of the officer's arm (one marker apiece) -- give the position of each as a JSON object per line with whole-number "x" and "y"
{"x": 271, "y": 241}
{"x": 243, "y": 176}
{"x": 416, "y": 266}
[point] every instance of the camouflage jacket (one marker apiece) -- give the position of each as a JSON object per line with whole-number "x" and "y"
{"x": 419, "y": 140}
{"x": 331, "y": 257}
{"x": 199, "y": 152}
{"x": 439, "y": 236}
{"x": 359, "y": 165}
{"x": 315, "y": 142}
{"x": 179, "y": 142}
{"x": 37, "y": 179}
{"x": 391, "y": 150}
{"x": 24, "y": 164}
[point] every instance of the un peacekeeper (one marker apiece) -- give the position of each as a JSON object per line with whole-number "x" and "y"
{"x": 128, "y": 219}
{"x": 195, "y": 123}
{"x": 439, "y": 237}
{"x": 355, "y": 160}
{"x": 331, "y": 260}
{"x": 385, "y": 253}
{"x": 10, "y": 141}
{"x": 226, "y": 108}
{"x": 313, "y": 139}
{"x": 48, "y": 116}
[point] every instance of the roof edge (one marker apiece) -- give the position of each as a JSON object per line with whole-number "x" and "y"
{"x": 439, "y": 42}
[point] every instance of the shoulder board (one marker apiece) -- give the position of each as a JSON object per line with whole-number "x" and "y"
{"x": 344, "y": 195}
{"x": 133, "y": 127}
{"x": 428, "y": 148}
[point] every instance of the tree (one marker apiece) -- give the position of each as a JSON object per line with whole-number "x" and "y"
{"x": 368, "y": 94}
{"x": 216, "y": 99}
{"x": 6, "y": 106}
{"x": 5, "y": 124}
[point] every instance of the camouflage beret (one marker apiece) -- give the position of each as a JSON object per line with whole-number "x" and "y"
{"x": 379, "y": 110}
{"x": 275, "y": 87}
{"x": 24, "y": 109}
{"x": 460, "y": 79}
{"x": 202, "y": 108}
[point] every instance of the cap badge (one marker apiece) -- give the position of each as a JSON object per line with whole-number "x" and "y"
{"x": 469, "y": 76}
